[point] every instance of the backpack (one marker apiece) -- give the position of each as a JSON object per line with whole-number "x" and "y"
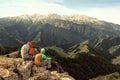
{"x": 30, "y": 51}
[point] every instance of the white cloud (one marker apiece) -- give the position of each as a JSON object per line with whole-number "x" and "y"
{"x": 44, "y": 7}
{"x": 33, "y": 7}
{"x": 47, "y": 8}
{"x": 107, "y": 14}
{"x": 54, "y": 1}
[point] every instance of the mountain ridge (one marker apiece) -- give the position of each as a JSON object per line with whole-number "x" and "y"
{"x": 66, "y": 29}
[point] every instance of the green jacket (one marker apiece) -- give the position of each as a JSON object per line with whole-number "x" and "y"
{"x": 43, "y": 56}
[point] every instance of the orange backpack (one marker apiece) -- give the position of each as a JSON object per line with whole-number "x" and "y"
{"x": 37, "y": 59}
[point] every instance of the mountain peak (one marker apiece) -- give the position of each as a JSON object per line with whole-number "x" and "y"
{"x": 74, "y": 17}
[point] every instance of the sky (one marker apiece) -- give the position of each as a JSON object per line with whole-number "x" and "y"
{"x": 107, "y": 10}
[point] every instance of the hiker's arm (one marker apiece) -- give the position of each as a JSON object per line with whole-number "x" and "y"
{"x": 23, "y": 51}
{"x": 45, "y": 57}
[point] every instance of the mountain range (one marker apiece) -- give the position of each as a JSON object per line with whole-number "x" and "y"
{"x": 53, "y": 29}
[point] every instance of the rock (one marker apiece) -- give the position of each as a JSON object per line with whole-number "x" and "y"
{"x": 13, "y": 54}
{"x": 9, "y": 62}
{"x": 60, "y": 76}
{"x": 8, "y": 75}
{"x": 4, "y": 72}
{"x": 39, "y": 73}
{"x": 12, "y": 76}
{"x": 44, "y": 75}
{"x": 37, "y": 69}
{"x": 17, "y": 69}
{"x": 24, "y": 69}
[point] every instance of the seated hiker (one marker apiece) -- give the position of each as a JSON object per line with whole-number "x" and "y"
{"x": 42, "y": 60}
{"x": 27, "y": 51}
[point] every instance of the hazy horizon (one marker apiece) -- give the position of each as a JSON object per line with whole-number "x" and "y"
{"x": 107, "y": 10}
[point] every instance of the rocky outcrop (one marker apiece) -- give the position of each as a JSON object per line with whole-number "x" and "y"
{"x": 8, "y": 67}
{"x": 17, "y": 69}
{"x": 39, "y": 73}
{"x": 60, "y": 76}
{"x": 24, "y": 69}
{"x": 13, "y": 54}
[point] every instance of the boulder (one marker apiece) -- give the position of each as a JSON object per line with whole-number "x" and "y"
{"x": 4, "y": 72}
{"x": 8, "y": 75}
{"x": 24, "y": 69}
{"x": 13, "y": 54}
{"x": 60, "y": 76}
{"x": 17, "y": 69}
{"x": 39, "y": 73}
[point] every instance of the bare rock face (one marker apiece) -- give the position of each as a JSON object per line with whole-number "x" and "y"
{"x": 13, "y": 54}
{"x": 24, "y": 69}
{"x": 9, "y": 62}
{"x": 60, "y": 76}
{"x": 4, "y": 72}
{"x": 7, "y": 74}
{"x": 39, "y": 73}
{"x": 12, "y": 76}
{"x": 17, "y": 69}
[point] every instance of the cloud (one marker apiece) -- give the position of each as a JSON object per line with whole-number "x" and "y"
{"x": 14, "y": 8}
{"x": 54, "y": 1}
{"x": 106, "y": 14}
{"x": 33, "y": 7}
{"x": 46, "y": 8}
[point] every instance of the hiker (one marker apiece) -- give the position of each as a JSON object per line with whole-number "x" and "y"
{"x": 42, "y": 60}
{"x": 27, "y": 51}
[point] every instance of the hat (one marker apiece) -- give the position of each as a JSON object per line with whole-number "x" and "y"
{"x": 42, "y": 51}
{"x": 29, "y": 43}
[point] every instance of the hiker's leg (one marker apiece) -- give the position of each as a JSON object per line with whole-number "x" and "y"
{"x": 28, "y": 57}
{"x": 46, "y": 63}
{"x": 31, "y": 57}
{"x": 49, "y": 63}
